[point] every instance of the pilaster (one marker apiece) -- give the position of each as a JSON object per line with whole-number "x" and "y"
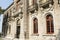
{"x": 25, "y": 19}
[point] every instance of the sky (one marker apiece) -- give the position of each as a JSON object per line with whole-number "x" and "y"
{"x": 4, "y": 4}
{"x": 1, "y": 20}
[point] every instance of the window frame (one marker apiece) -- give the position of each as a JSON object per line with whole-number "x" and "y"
{"x": 35, "y": 26}
{"x": 51, "y": 26}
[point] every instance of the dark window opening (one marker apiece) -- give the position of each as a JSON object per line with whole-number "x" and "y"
{"x": 49, "y": 22}
{"x": 18, "y": 32}
{"x": 35, "y": 24}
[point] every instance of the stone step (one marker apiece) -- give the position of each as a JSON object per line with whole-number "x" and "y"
{"x": 10, "y": 39}
{"x": 15, "y": 39}
{"x": 6, "y": 39}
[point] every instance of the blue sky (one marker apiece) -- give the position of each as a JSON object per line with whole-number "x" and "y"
{"x": 1, "y": 20}
{"x": 5, "y": 3}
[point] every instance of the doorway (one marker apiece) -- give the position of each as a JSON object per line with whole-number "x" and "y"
{"x": 18, "y": 32}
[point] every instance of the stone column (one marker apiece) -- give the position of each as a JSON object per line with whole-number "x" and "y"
{"x": 8, "y": 32}
{"x": 25, "y": 19}
{"x": 56, "y": 16}
{"x": 21, "y": 29}
{"x": 12, "y": 24}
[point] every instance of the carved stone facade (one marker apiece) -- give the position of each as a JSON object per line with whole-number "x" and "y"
{"x": 32, "y": 20}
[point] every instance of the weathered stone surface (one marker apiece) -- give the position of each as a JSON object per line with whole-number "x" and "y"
{"x": 26, "y": 22}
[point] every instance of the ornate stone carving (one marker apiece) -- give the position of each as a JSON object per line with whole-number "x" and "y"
{"x": 45, "y": 4}
{"x": 48, "y": 9}
{"x": 11, "y": 19}
{"x": 32, "y": 8}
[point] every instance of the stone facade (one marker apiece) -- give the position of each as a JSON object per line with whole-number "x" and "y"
{"x": 22, "y": 12}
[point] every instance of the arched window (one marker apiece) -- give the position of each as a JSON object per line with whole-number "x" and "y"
{"x": 49, "y": 22}
{"x": 35, "y": 25}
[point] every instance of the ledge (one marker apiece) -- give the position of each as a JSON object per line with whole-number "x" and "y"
{"x": 35, "y": 35}
{"x": 50, "y": 35}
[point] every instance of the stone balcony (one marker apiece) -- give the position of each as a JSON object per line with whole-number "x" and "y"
{"x": 16, "y": 15}
{"x": 32, "y": 8}
{"x": 46, "y": 4}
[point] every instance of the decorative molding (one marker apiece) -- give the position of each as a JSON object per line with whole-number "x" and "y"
{"x": 50, "y": 35}
{"x": 33, "y": 8}
{"x": 45, "y": 3}
{"x": 11, "y": 19}
{"x": 35, "y": 35}
{"x": 48, "y": 9}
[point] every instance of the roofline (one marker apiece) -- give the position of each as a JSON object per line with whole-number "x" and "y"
{"x": 9, "y": 6}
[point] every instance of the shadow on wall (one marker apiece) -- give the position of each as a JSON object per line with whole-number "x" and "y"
{"x": 58, "y": 36}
